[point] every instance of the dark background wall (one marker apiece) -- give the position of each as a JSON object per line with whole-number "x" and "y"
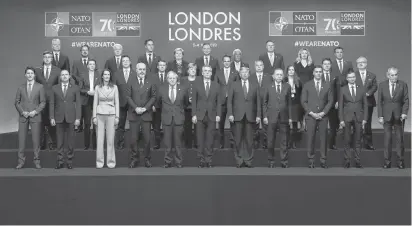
{"x": 387, "y": 40}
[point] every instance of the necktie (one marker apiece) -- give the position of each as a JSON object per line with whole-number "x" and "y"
{"x": 278, "y": 89}
{"x": 162, "y": 78}
{"x": 140, "y": 82}
{"x": 353, "y": 92}
{"x": 117, "y": 62}
{"x": 57, "y": 57}
{"x": 393, "y": 89}
{"x": 64, "y": 90}
{"x": 244, "y": 88}
{"x": 226, "y": 75}
{"x": 206, "y": 61}
{"x": 172, "y": 94}
{"x": 150, "y": 59}
{"x": 363, "y": 78}
{"x": 29, "y": 90}
{"x": 327, "y": 74}
{"x": 47, "y": 73}
{"x": 84, "y": 62}
{"x": 126, "y": 75}
{"x": 341, "y": 66}
{"x": 318, "y": 87}
{"x": 271, "y": 59}
{"x": 260, "y": 80}
{"x": 207, "y": 89}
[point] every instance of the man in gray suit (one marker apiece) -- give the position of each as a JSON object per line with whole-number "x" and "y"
{"x": 317, "y": 99}
{"x": 30, "y": 101}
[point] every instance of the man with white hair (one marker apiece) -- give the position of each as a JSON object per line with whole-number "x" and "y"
{"x": 114, "y": 63}
{"x": 237, "y": 62}
{"x": 59, "y": 59}
{"x": 393, "y": 107}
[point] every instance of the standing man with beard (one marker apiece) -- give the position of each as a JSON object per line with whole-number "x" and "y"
{"x": 141, "y": 98}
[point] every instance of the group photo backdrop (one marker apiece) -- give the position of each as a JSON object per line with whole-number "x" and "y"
{"x": 380, "y": 30}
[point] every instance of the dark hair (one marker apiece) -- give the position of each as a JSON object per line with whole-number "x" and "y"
{"x": 162, "y": 61}
{"x": 28, "y": 68}
{"x": 84, "y": 45}
{"x": 350, "y": 71}
{"x": 317, "y": 66}
{"x": 110, "y": 80}
{"x": 47, "y": 52}
{"x": 326, "y": 59}
{"x": 124, "y": 57}
{"x": 334, "y": 50}
{"x": 95, "y": 63}
{"x": 296, "y": 78}
{"x": 223, "y": 58}
{"x": 206, "y": 44}
{"x": 148, "y": 40}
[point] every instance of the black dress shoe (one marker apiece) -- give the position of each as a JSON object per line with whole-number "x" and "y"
{"x": 51, "y": 147}
{"x": 293, "y": 146}
{"x": 167, "y": 165}
{"x": 209, "y": 165}
{"x": 147, "y": 164}
{"x": 20, "y": 165}
{"x": 324, "y": 165}
{"x": 285, "y": 165}
{"x": 86, "y": 148}
{"x": 179, "y": 166}
{"x": 69, "y": 166}
{"x": 271, "y": 165}
{"x": 333, "y": 147}
{"x": 401, "y": 165}
{"x": 311, "y": 165}
{"x": 239, "y": 165}
{"x": 248, "y": 165}
{"x": 358, "y": 165}
{"x": 201, "y": 165}
{"x": 264, "y": 147}
{"x": 369, "y": 147}
{"x": 387, "y": 166}
{"x": 156, "y": 147}
{"x": 347, "y": 165}
{"x": 132, "y": 165}
{"x": 59, "y": 166}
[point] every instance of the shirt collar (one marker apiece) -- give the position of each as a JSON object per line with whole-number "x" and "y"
{"x": 206, "y": 80}
{"x": 276, "y": 83}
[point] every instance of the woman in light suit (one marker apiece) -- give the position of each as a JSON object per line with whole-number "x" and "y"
{"x": 106, "y": 117}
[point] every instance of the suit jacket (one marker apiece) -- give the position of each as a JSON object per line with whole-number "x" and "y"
{"x": 239, "y": 106}
{"x": 202, "y": 103}
{"x": 155, "y": 78}
{"x": 65, "y": 107}
{"x": 112, "y": 65}
{"x": 122, "y": 85}
{"x": 144, "y": 97}
{"x": 213, "y": 62}
{"x": 314, "y": 102}
{"x": 149, "y": 68}
{"x": 349, "y": 107}
{"x": 335, "y": 68}
{"x": 85, "y": 87}
{"x": 173, "y": 111}
{"x": 172, "y": 66}
{"x": 334, "y": 85}
{"x": 370, "y": 86}
{"x": 277, "y": 63}
{"x": 396, "y": 106}
{"x": 221, "y": 80}
{"x": 78, "y": 69}
{"x": 63, "y": 64}
{"x": 242, "y": 64}
{"x": 36, "y": 101}
{"x": 54, "y": 78}
{"x": 266, "y": 80}
{"x": 277, "y": 105}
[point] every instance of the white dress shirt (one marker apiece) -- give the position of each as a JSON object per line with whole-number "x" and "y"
{"x": 126, "y": 72}
{"x": 172, "y": 89}
{"x": 67, "y": 87}
{"x": 58, "y": 56}
{"x": 271, "y": 58}
{"x": 237, "y": 66}
{"x": 247, "y": 85}
{"x": 390, "y": 88}
{"x": 149, "y": 57}
{"x": 205, "y": 83}
{"x": 352, "y": 86}
{"x": 91, "y": 80}
{"x": 118, "y": 60}
{"x": 227, "y": 74}
{"x": 259, "y": 77}
{"x": 327, "y": 75}
{"x": 363, "y": 76}
{"x": 280, "y": 87}
{"x": 208, "y": 60}
{"x": 45, "y": 70}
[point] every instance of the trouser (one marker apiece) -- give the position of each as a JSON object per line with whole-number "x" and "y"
{"x": 65, "y": 135}
{"x": 48, "y": 132}
{"x": 173, "y": 140}
{"x": 156, "y": 124}
{"x": 397, "y": 125}
{"x": 87, "y": 111}
{"x": 135, "y": 127}
{"x": 311, "y": 125}
{"x": 35, "y": 133}
{"x": 244, "y": 151}
{"x": 367, "y": 133}
{"x": 284, "y": 134}
{"x": 357, "y": 137}
{"x": 105, "y": 126}
{"x": 189, "y": 134}
{"x": 205, "y": 136}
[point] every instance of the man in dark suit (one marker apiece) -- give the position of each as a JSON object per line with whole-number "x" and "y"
{"x": 178, "y": 65}
{"x": 141, "y": 98}
{"x": 173, "y": 98}
{"x": 353, "y": 113}
{"x": 225, "y": 78}
{"x": 244, "y": 109}
{"x": 87, "y": 84}
{"x": 30, "y": 102}
{"x": 317, "y": 100}
{"x": 150, "y": 59}
{"x": 206, "y": 111}
{"x": 158, "y": 80}
{"x": 59, "y": 59}
{"x": 80, "y": 65}
{"x": 122, "y": 79}
{"x": 114, "y": 63}
{"x": 367, "y": 80}
{"x": 237, "y": 61}
{"x": 339, "y": 66}
{"x": 207, "y": 60}
{"x": 277, "y": 114}
{"x": 270, "y": 59}
{"x": 262, "y": 79}
{"x": 334, "y": 83}
{"x": 393, "y": 106}
{"x": 65, "y": 113}
{"x": 47, "y": 75}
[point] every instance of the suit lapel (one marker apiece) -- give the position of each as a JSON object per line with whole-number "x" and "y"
{"x": 249, "y": 90}
{"x": 395, "y": 92}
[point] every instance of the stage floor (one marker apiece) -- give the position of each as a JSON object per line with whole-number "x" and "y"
{"x": 221, "y": 195}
